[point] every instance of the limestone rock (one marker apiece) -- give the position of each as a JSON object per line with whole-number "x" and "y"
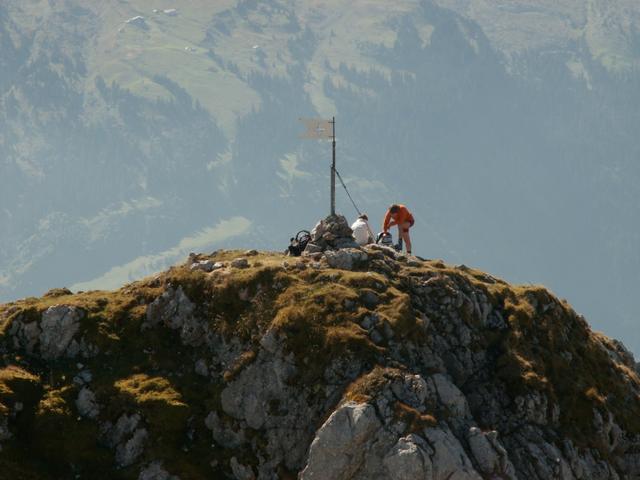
{"x": 174, "y": 309}
{"x": 126, "y": 438}
{"x": 339, "y": 446}
{"x": 25, "y": 335}
{"x": 346, "y": 259}
{"x": 449, "y": 395}
{"x": 331, "y": 233}
{"x": 58, "y": 326}
{"x": 86, "y": 403}
{"x": 204, "y": 265}
{"x": 125, "y": 425}
{"x": 154, "y": 471}
{"x": 240, "y": 263}
{"x": 490, "y": 455}
{"x": 241, "y": 472}
{"x": 223, "y": 434}
{"x": 171, "y": 308}
{"x": 392, "y": 383}
{"x": 128, "y": 452}
{"x": 409, "y": 459}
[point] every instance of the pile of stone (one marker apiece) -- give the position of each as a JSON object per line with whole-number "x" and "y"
{"x": 331, "y": 233}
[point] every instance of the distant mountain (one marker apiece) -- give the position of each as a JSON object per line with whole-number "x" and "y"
{"x": 132, "y": 133}
{"x": 352, "y": 364}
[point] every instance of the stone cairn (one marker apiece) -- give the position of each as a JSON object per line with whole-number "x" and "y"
{"x": 331, "y": 233}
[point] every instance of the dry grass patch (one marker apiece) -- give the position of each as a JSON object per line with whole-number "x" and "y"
{"x": 549, "y": 348}
{"x": 367, "y": 386}
{"x": 415, "y": 421}
{"x": 143, "y": 389}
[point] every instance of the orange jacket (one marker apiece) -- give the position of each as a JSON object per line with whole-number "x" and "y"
{"x": 403, "y": 215}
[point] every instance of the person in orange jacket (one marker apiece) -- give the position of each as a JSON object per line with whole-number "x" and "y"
{"x": 401, "y": 216}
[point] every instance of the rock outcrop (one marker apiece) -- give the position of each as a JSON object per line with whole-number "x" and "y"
{"x": 331, "y": 233}
{"x": 354, "y": 363}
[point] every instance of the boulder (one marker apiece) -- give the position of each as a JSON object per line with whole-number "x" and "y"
{"x": 240, "y": 263}
{"x": 86, "y": 403}
{"x": 128, "y": 452}
{"x": 339, "y": 446}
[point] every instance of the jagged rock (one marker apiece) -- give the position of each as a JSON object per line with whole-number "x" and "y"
{"x": 170, "y": 308}
{"x": 491, "y": 457}
{"x": 114, "y": 434}
{"x": 340, "y": 444}
{"x": 241, "y": 472}
{"x": 204, "y": 265}
{"x": 25, "y": 335}
{"x": 86, "y": 403}
{"x": 399, "y": 364}
{"x": 409, "y": 459}
{"x": 240, "y": 263}
{"x": 387, "y": 251}
{"x": 126, "y": 437}
{"x": 223, "y": 435}
{"x": 155, "y": 472}
{"x": 333, "y": 232}
{"x": 449, "y": 395}
{"x": 242, "y": 398}
{"x": 128, "y": 452}
{"x": 370, "y": 299}
{"x": 369, "y": 321}
{"x": 533, "y": 407}
{"x": 449, "y": 459}
{"x": 346, "y": 259}
{"x": 176, "y": 311}
{"x": 58, "y": 326}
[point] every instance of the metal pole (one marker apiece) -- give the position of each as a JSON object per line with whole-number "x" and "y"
{"x": 333, "y": 169}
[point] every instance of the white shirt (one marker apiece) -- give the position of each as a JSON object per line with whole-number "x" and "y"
{"x": 361, "y": 232}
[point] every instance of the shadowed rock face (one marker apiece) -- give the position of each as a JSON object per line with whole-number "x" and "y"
{"x": 259, "y": 369}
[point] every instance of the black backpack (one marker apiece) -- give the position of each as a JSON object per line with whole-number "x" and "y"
{"x": 299, "y": 243}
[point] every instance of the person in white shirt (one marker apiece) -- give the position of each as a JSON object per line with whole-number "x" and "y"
{"x": 362, "y": 231}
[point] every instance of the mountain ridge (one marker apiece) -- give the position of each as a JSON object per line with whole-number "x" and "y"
{"x": 358, "y": 363}
{"x": 508, "y": 128}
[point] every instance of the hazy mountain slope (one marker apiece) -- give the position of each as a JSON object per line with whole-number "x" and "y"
{"x": 353, "y": 364}
{"x": 509, "y": 127}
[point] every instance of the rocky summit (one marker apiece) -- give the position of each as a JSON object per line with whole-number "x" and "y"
{"x": 252, "y": 365}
